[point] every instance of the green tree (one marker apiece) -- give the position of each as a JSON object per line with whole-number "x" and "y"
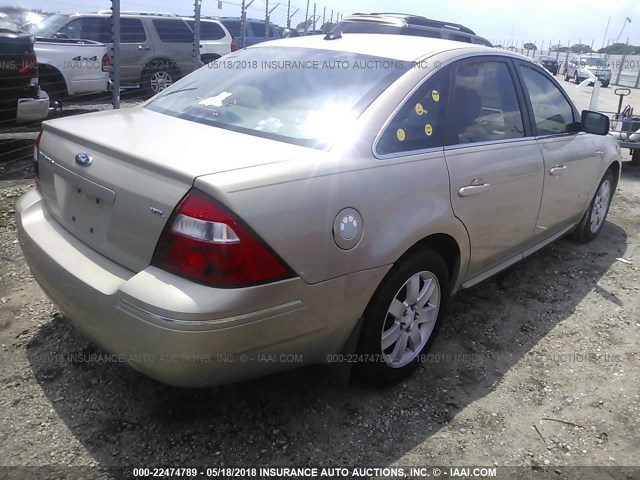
{"x": 581, "y": 48}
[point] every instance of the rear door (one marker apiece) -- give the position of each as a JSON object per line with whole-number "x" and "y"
{"x": 136, "y": 49}
{"x": 495, "y": 169}
{"x": 571, "y": 161}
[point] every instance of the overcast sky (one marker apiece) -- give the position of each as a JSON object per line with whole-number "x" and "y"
{"x": 497, "y": 20}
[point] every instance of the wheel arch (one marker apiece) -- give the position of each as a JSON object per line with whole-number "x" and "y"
{"x": 52, "y": 74}
{"x": 445, "y": 245}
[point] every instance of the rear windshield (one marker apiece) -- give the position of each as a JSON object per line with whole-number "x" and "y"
{"x": 294, "y": 95}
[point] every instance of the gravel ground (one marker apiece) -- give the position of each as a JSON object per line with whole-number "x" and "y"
{"x": 539, "y": 366}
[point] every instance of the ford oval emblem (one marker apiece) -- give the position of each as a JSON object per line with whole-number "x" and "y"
{"x": 84, "y": 159}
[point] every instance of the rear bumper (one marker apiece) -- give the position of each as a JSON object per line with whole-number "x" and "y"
{"x": 33, "y": 109}
{"x": 182, "y": 333}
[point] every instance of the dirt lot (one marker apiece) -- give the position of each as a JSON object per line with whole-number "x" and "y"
{"x": 539, "y": 366}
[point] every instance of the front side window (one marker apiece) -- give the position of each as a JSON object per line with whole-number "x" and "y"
{"x": 484, "y": 104}
{"x": 173, "y": 31}
{"x": 553, "y": 113}
{"x": 418, "y": 124}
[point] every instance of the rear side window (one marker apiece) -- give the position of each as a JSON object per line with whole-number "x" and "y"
{"x": 208, "y": 30}
{"x": 173, "y": 31}
{"x": 89, "y": 28}
{"x": 234, "y": 28}
{"x": 132, "y": 31}
{"x": 258, "y": 30}
{"x": 418, "y": 124}
{"x": 553, "y": 113}
{"x": 484, "y": 105}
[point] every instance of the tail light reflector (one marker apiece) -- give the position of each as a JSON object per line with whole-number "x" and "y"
{"x": 29, "y": 65}
{"x": 234, "y": 45}
{"x": 206, "y": 243}
{"x": 106, "y": 63}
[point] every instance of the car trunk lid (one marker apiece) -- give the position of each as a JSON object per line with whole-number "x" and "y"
{"x": 112, "y": 179}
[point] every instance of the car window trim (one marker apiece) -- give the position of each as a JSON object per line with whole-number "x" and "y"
{"x": 534, "y": 130}
{"x": 526, "y": 125}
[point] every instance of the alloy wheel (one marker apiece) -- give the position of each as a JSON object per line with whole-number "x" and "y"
{"x": 411, "y": 318}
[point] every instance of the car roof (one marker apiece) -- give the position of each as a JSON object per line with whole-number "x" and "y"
{"x": 397, "y": 47}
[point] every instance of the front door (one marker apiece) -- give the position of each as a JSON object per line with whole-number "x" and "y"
{"x": 570, "y": 157}
{"x": 496, "y": 172}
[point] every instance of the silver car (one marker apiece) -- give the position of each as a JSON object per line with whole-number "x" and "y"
{"x": 579, "y": 69}
{"x": 308, "y": 201}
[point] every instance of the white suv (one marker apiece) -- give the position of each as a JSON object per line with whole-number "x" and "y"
{"x": 215, "y": 39}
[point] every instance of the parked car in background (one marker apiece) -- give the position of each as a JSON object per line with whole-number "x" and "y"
{"x": 406, "y": 24}
{"x": 245, "y": 222}
{"x": 254, "y": 31}
{"x": 22, "y": 100}
{"x": 548, "y": 62}
{"x": 215, "y": 39}
{"x": 156, "y": 48}
{"x": 582, "y": 67}
{"x": 70, "y": 67}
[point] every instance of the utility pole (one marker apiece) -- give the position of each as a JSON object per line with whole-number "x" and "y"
{"x": 315, "y": 19}
{"x": 324, "y": 16}
{"x": 115, "y": 52}
{"x": 605, "y": 32}
{"x": 290, "y": 17}
{"x": 243, "y": 21}
{"x": 306, "y": 19}
{"x": 331, "y": 21}
{"x": 197, "y": 10}
{"x": 268, "y": 19}
{"x": 289, "y": 14}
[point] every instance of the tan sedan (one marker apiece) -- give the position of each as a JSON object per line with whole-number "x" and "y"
{"x": 308, "y": 201}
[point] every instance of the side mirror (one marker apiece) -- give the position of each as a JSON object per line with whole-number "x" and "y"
{"x": 594, "y": 122}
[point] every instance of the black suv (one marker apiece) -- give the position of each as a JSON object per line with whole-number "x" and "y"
{"x": 406, "y": 24}
{"x": 21, "y": 99}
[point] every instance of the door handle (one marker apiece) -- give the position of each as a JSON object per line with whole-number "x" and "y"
{"x": 557, "y": 170}
{"x": 473, "y": 190}
{"x": 144, "y": 47}
{"x": 600, "y": 154}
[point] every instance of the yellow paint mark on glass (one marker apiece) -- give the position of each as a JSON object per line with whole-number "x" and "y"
{"x": 428, "y": 129}
{"x": 435, "y": 95}
{"x": 401, "y": 134}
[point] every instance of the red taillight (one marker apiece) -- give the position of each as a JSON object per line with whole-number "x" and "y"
{"x": 106, "y": 63}
{"x": 29, "y": 65}
{"x": 36, "y": 155}
{"x": 206, "y": 243}
{"x": 234, "y": 45}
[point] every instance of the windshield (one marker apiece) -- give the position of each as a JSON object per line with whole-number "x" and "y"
{"x": 296, "y": 95}
{"x": 49, "y": 26}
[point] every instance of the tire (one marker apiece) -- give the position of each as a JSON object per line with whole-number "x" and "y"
{"x": 566, "y": 75}
{"x": 594, "y": 218}
{"x": 414, "y": 326}
{"x": 576, "y": 80}
{"x": 635, "y": 158}
{"x": 156, "y": 80}
{"x": 604, "y": 84}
